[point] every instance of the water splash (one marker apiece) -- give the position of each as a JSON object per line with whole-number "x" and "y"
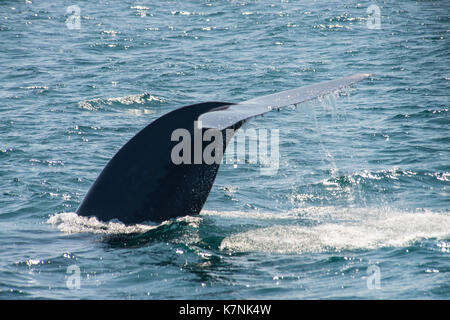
{"x": 116, "y": 104}
{"x": 70, "y": 222}
{"x": 324, "y": 106}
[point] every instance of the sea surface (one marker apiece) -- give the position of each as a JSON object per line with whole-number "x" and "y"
{"x": 358, "y": 208}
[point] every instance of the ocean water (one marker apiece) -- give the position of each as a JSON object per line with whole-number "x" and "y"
{"x": 359, "y": 205}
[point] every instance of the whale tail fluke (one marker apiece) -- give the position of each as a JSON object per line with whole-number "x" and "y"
{"x": 146, "y": 181}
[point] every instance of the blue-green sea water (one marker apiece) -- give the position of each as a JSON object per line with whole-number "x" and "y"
{"x": 359, "y": 206}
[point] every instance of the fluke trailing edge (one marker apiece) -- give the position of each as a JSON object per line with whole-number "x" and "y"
{"x": 143, "y": 183}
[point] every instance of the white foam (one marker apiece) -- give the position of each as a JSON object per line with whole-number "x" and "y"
{"x": 388, "y": 229}
{"x": 70, "y": 222}
{"x": 256, "y": 215}
{"x": 98, "y": 103}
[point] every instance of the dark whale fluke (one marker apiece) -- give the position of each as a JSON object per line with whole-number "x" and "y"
{"x": 142, "y": 182}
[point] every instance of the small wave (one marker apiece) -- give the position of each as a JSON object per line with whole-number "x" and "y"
{"x": 390, "y": 229}
{"x": 141, "y": 10}
{"x": 110, "y": 32}
{"x": 6, "y": 150}
{"x": 139, "y": 7}
{"x": 430, "y": 113}
{"x": 181, "y": 13}
{"x": 388, "y": 175}
{"x": 331, "y": 27}
{"x": 35, "y": 87}
{"x": 99, "y": 103}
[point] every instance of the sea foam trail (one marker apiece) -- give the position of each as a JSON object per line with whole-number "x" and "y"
{"x": 394, "y": 230}
{"x": 327, "y": 228}
{"x": 70, "y": 222}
